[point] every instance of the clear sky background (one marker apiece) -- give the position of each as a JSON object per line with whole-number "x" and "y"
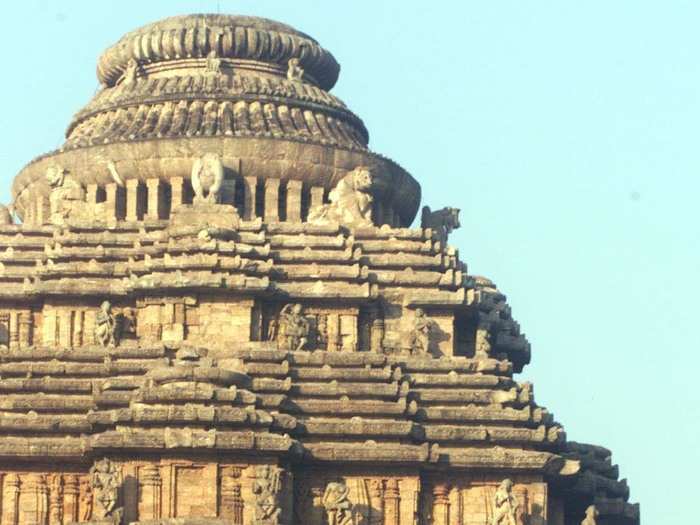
{"x": 567, "y": 133}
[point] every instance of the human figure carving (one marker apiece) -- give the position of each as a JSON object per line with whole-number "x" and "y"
{"x": 267, "y": 485}
{"x": 482, "y": 345}
{"x": 106, "y": 328}
{"x": 295, "y": 72}
{"x": 213, "y": 65}
{"x": 207, "y": 178}
{"x": 337, "y": 503}
{"x": 591, "y": 516}
{"x": 350, "y": 201}
{"x": 505, "y": 505}
{"x": 132, "y": 70}
{"x": 105, "y": 480}
{"x": 443, "y": 221}
{"x": 66, "y": 194}
{"x": 85, "y": 500}
{"x": 293, "y": 328}
{"x": 419, "y": 338}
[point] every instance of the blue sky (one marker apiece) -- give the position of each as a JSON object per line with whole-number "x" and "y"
{"x": 565, "y": 131}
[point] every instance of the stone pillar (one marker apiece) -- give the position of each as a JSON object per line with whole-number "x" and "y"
{"x": 250, "y": 185}
{"x": 294, "y": 200}
{"x": 392, "y": 503}
{"x": 5, "y": 328}
{"x": 177, "y": 192}
{"x": 43, "y": 212}
{"x": 520, "y": 493}
{"x": 272, "y": 189}
{"x": 55, "y": 500}
{"x": 231, "y": 506}
{"x": 91, "y": 194}
{"x": 65, "y": 328}
{"x": 376, "y": 502}
{"x": 79, "y": 329}
{"x": 26, "y": 328}
{"x": 49, "y": 327}
{"x": 133, "y": 211}
{"x": 13, "y": 330}
{"x": 111, "y": 210}
{"x": 10, "y": 500}
{"x": 316, "y": 513}
{"x": 333, "y": 332}
{"x": 441, "y": 505}
{"x": 317, "y": 193}
{"x": 150, "y": 506}
{"x": 155, "y": 199}
{"x": 71, "y": 490}
{"x": 377, "y": 334}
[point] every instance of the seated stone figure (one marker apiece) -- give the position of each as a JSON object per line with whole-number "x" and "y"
{"x": 207, "y": 178}
{"x": 106, "y": 326}
{"x": 67, "y": 195}
{"x": 350, "y": 201}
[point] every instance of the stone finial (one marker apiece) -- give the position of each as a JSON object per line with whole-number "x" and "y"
{"x": 106, "y": 481}
{"x": 505, "y": 505}
{"x": 266, "y": 487}
{"x": 591, "y": 516}
{"x": 443, "y": 221}
{"x": 292, "y": 328}
{"x": 419, "y": 337}
{"x": 295, "y": 72}
{"x": 337, "y": 503}
{"x": 67, "y": 195}
{"x": 350, "y": 201}
{"x": 207, "y": 178}
{"x": 106, "y": 327}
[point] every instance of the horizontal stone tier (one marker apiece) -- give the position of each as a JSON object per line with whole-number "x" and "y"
{"x": 190, "y": 85}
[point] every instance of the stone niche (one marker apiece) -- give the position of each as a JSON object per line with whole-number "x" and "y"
{"x": 377, "y": 498}
{"x": 467, "y": 499}
{"x": 17, "y": 326}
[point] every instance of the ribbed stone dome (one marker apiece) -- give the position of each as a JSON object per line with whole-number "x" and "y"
{"x": 250, "y": 90}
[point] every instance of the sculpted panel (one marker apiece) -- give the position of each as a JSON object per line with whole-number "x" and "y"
{"x": 207, "y": 178}
{"x": 337, "y": 503}
{"x": 67, "y": 195}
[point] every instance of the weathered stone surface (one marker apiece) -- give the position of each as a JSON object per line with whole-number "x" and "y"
{"x": 214, "y": 311}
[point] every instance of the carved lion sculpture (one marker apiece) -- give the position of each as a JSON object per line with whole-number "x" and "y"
{"x": 6, "y": 215}
{"x": 350, "y": 201}
{"x": 443, "y": 221}
{"x": 207, "y": 178}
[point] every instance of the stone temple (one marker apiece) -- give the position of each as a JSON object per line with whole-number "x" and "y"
{"x": 214, "y": 310}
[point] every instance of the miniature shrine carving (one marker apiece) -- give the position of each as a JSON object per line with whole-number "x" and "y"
{"x": 337, "y": 503}
{"x": 266, "y": 488}
{"x": 207, "y": 178}
{"x": 295, "y": 72}
{"x": 106, "y": 482}
{"x": 106, "y": 326}
{"x": 505, "y": 505}
{"x": 443, "y": 221}
{"x": 350, "y": 201}
{"x": 420, "y": 334}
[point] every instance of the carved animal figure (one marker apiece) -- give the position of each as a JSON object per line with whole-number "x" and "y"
{"x": 6, "y": 215}
{"x": 505, "y": 505}
{"x": 337, "y": 503}
{"x": 591, "y": 515}
{"x": 350, "y": 201}
{"x": 207, "y": 178}
{"x": 443, "y": 221}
